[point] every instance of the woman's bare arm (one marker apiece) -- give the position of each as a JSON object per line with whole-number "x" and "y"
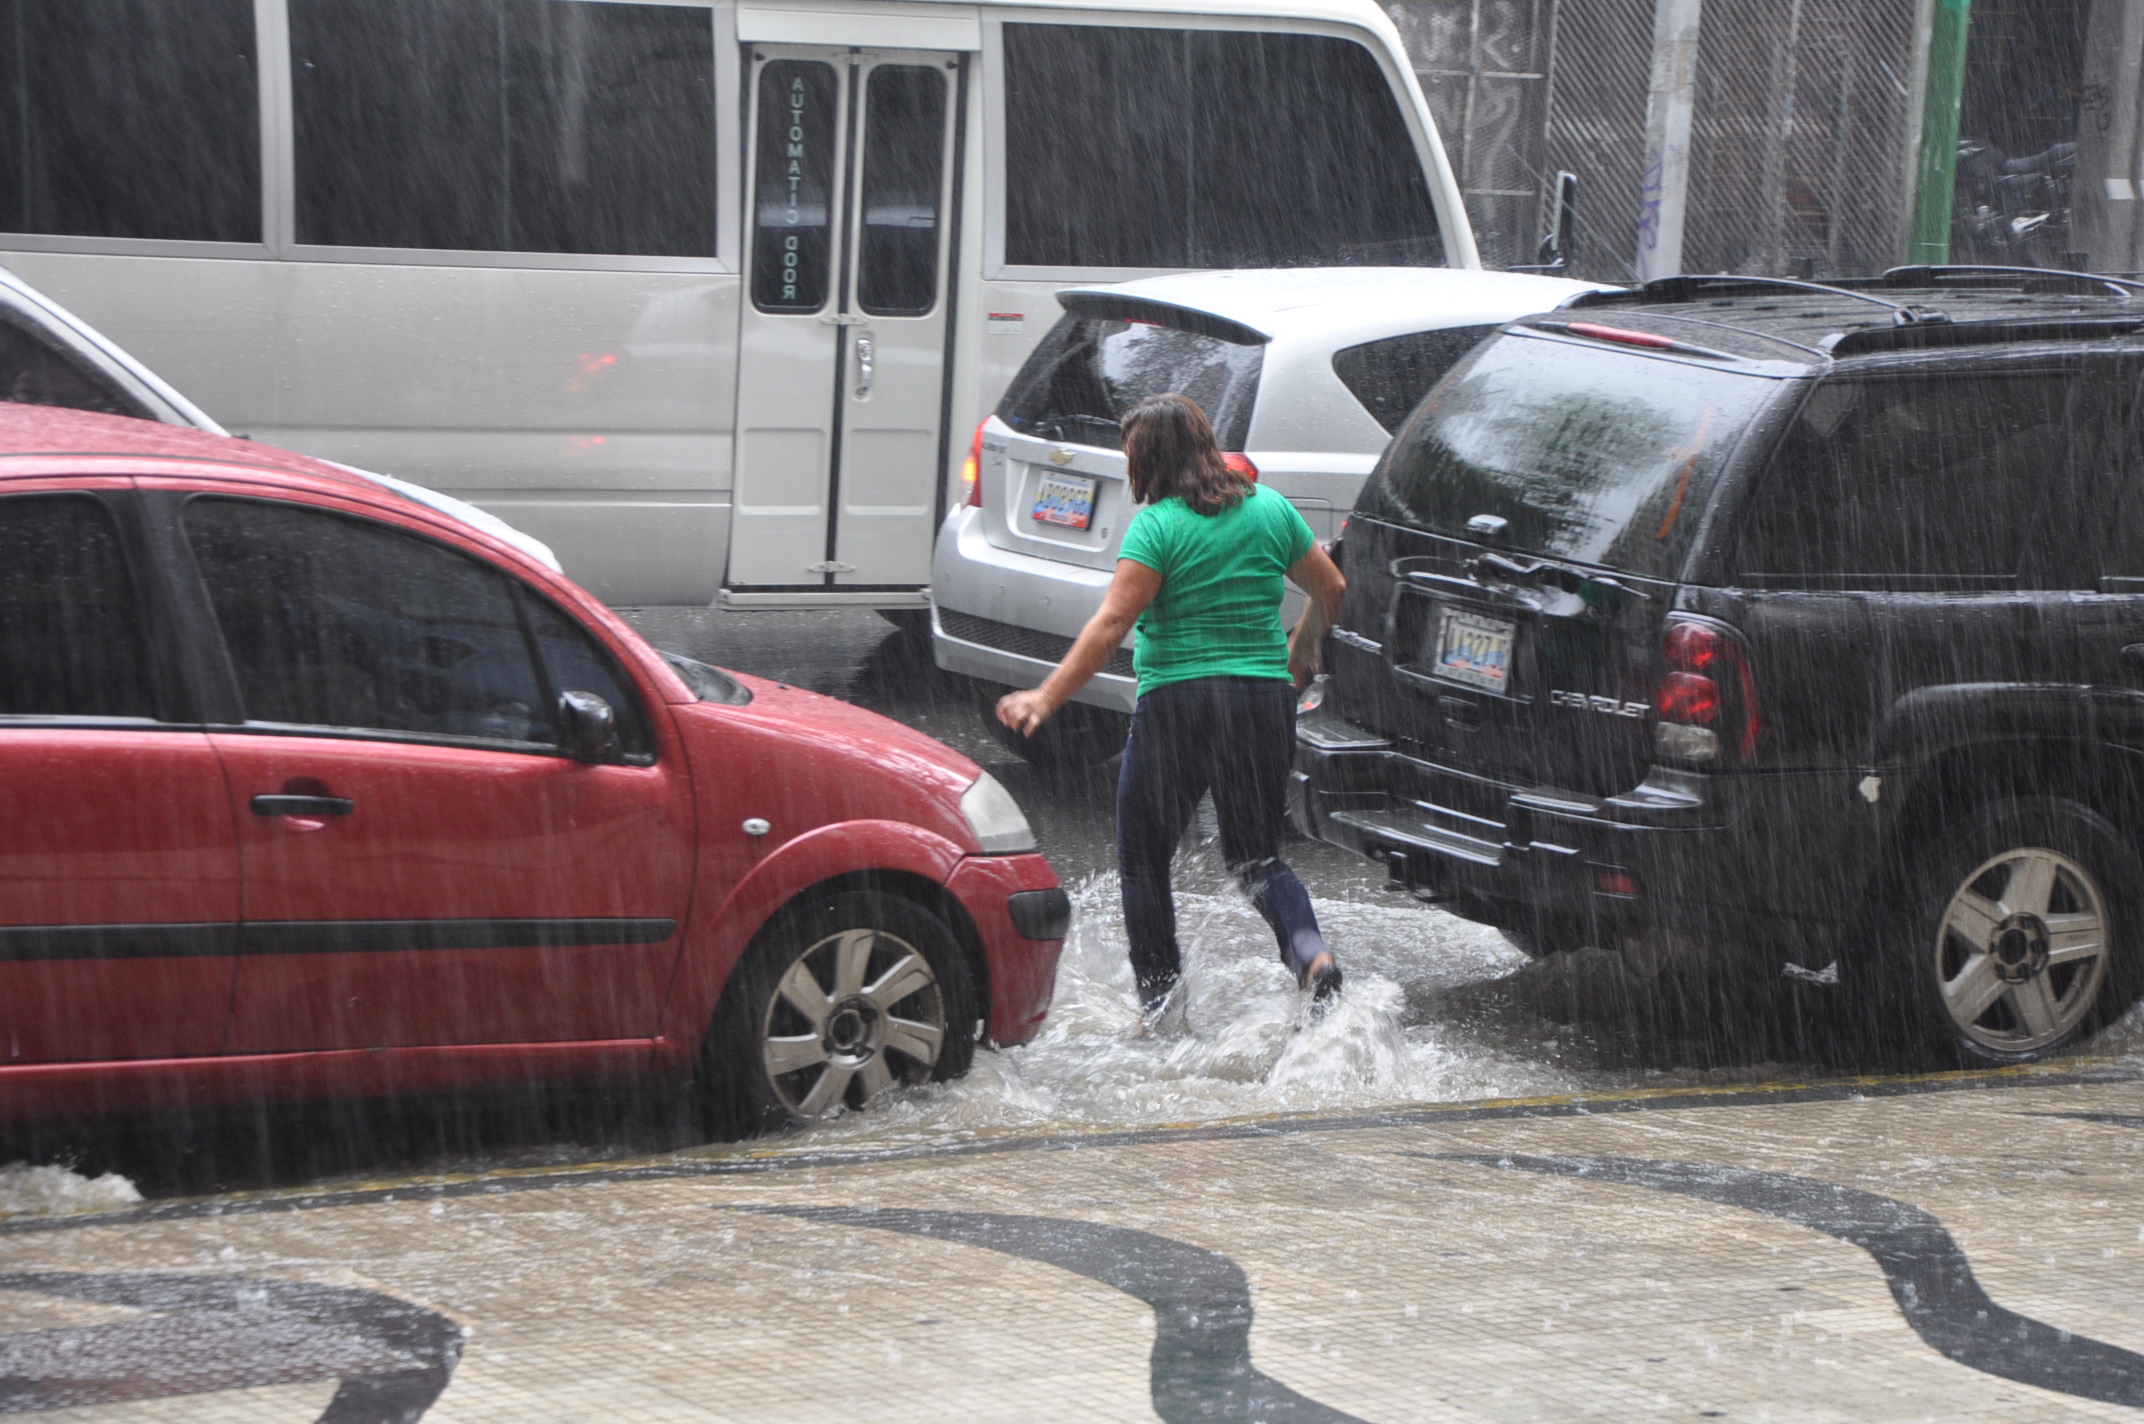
{"x": 1130, "y": 592}
{"x": 1317, "y": 575}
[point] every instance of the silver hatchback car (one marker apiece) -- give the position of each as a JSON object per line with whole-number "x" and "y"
{"x": 1305, "y": 373}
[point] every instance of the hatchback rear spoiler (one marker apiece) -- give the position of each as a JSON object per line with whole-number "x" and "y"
{"x": 1118, "y": 306}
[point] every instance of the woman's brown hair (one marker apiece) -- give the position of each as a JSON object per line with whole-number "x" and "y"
{"x": 1169, "y": 449}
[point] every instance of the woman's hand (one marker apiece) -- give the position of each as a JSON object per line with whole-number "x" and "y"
{"x": 1025, "y": 711}
{"x": 1317, "y": 575}
{"x": 1302, "y": 659}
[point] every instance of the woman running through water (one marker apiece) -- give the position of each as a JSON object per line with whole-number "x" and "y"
{"x": 1200, "y": 574}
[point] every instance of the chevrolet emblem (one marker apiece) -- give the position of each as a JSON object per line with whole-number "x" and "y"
{"x": 1060, "y": 457}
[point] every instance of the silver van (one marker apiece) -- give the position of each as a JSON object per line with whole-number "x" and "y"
{"x": 1305, "y": 374}
{"x": 706, "y": 294}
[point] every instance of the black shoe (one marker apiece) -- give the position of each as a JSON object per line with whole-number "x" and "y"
{"x": 1154, "y": 997}
{"x": 1324, "y": 989}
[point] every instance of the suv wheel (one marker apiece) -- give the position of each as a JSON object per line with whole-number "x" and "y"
{"x": 2022, "y": 934}
{"x": 837, "y": 1002}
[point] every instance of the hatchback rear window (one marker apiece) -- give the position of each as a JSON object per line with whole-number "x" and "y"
{"x": 1391, "y": 376}
{"x": 1599, "y": 456}
{"x": 1089, "y": 371}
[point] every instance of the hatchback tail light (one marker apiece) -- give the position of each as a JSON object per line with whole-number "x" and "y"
{"x": 1241, "y": 463}
{"x": 971, "y": 469}
{"x": 1707, "y": 699}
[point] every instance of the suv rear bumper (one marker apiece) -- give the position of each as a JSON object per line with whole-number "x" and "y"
{"x": 1680, "y": 860}
{"x": 1007, "y": 617}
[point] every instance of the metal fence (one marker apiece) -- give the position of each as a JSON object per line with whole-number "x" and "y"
{"x": 1800, "y": 146}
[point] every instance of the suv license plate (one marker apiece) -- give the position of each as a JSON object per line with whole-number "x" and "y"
{"x": 1066, "y": 500}
{"x": 1474, "y": 650}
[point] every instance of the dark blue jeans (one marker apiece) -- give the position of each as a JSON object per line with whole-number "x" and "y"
{"x": 1234, "y": 736}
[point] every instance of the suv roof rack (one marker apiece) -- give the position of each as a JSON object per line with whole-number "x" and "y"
{"x": 1689, "y": 289}
{"x": 1870, "y": 339}
{"x": 2046, "y": 279}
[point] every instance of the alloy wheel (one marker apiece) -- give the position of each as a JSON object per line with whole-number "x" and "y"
{"x": 857, "y": 1012}
{"x": 2021, "y": 950}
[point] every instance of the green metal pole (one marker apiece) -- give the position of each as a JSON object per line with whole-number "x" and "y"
{"x": 1935, "y": 172}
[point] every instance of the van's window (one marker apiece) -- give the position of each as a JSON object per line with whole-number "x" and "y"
{"x": 1909, "y": 483}
{"x": 1089, "y": 371}
{"x": 505, "y": 125}
{"x": 793, "y": 186}
{"x": 1391, "y": 376}
{"x": 904, "y": 163}
{"x": 130, "y": 118}
{"x": 1206, "y": 148}
{"x": 71, "y": 640}
{"x": 1593, "y": 455}
{"x": 36, "y": 370}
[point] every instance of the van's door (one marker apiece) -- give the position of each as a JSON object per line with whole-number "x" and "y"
{"x": 840, "y": 371}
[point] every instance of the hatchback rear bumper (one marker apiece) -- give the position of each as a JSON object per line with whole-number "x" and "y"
{"x": 1680, "y": 861}
{"x": 1008, "y": 617}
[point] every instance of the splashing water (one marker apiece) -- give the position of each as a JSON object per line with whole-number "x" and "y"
{"x": 1240, "y": 1041}
{"x": 27, "y": 1190}
{"x": 1423, "y": 1020}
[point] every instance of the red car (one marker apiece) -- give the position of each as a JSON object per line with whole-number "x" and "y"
{"x": 308, "y": 790}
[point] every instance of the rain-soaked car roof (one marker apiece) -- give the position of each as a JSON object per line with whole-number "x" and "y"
{"x": 45, "y": 432}
{"x": 1345, "y": 305}
{"x": 1907, "y": 310}
{"x": 32, "y": 434}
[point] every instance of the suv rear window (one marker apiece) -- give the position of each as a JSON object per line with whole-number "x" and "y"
{"x": 1595, "y": 455}
{"x": 1391, "y": 376}
{"x": 1849, "y": 499}
{"x": 1088, "y": 371}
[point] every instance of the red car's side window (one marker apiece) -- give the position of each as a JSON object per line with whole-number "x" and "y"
{"x": 71, "y": 642}
{"x": 335, "y": 621}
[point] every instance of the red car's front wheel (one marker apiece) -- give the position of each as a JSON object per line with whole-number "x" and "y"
{"x": 838, "y": 1001}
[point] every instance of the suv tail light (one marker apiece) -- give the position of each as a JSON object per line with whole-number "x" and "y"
{"x": 1707, "y": 700}
{"x": 1241, "y": 463}
{"x": 971, "y": 469}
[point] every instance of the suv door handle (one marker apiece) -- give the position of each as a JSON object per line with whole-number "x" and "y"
{"x": 2133, "y": 662}
{"x": 864, "y": 350}
{"x": 303, "y": 805}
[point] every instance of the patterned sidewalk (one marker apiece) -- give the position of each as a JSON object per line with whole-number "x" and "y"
{"x": 1963, "y": 1248}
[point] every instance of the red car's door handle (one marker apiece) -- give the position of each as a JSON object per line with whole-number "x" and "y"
{"x": 303, "y": 805}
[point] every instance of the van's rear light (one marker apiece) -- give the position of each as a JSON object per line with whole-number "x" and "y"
{"x": 971, "y": 469}
{"x": 1241, "y": 463}
{"x": 1707, "y": 700}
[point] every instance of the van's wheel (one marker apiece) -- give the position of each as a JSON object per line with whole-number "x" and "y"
{"x": 2018, "y": 933}
{"x": 1076, "y": 736}
{"x": 837, "y": 1001}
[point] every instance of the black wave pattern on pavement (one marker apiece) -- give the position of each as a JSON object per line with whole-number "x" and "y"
{"x": 203, "y": 1334}
{"x": 2134, "y": 1120}
{"x": 1200, "y": 1369}
{"x": 1929, "y": 1276}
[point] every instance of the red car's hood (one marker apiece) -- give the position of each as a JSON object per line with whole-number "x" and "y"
{"x": 830, "y": 761}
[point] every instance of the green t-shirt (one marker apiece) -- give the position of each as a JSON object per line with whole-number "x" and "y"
{"x": 1218, "y": 612}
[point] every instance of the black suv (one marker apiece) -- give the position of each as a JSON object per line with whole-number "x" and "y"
{"x": 1796, "y": 622}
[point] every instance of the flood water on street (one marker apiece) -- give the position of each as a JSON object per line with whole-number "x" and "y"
{"x": 1437, "y": 1009}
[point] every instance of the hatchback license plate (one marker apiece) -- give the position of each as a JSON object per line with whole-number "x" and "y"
{"x": 1474, "y": 650}
{"x": 1065, "y": 500}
